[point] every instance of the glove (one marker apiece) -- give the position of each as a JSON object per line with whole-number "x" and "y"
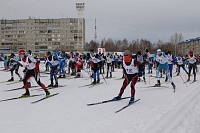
{"x": 24, "y": 70}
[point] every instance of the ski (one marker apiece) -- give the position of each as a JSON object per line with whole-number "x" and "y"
{"x": 106, "y": 101}
{"x": 154, "y": 76}
{"x": 193, "y": 81}
{"x": 4, "y": 81}
{"x": 90, "y": 84}
{"x": 153, "y": 86}
{"x": 119, "y": 78}
{"x": 14, "y": 82}
{"x": 45, "y": 98}
{"x": 20, "y": 97}
{"x": 85, "y": 85}
{"x": 49, "y": 88}
{"x": 126, "y": 106}
{"x": 19, "y": 88}
{"x": 109, "y": 77}
{"x": 95, "y": 84}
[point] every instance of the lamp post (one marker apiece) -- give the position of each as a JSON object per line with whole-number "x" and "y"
{"x": 80, "y": 7}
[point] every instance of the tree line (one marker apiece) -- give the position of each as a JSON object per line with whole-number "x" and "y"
{"x": 136, "y": 45}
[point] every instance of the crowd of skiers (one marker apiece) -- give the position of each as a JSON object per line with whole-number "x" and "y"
{"x": 95, "y": 64}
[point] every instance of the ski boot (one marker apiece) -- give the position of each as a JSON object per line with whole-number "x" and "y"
{"x": 139, "y": 79}
{"x": 73, "y": 73}
{"x": 12, "y": 79}
{"x": 194, "y": 79}
{"x": 166, "y": 79}
{"x": 173, "y": 85}
{"x": 132, "y": 100}
{"x": 117, "y": 98}
{"x": 56, "y": 85}
{"x": 94, "y": 82}
{"x": 188, "y": 79}
{"x": 47, "y": 92}
{"x": 98, "y": 80}
{"x": 51, "y": 85}
{"x": 26, "y": 94}
{"x": 106, "y": 75}
{"x": 158, "y": 84}
{"x": 78, "y": 76}
{"x": 110, "y": 74}
{"x": 59, "y": 76}
{"x": 177, "y": 74}
{"x": 144, "y": 79}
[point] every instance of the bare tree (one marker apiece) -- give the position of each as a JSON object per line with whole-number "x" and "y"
{"x": 175, "y": 39}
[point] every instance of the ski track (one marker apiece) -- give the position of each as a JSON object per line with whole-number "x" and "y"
{"x": 170, "y": 120}
{"x": 159, "y": 110}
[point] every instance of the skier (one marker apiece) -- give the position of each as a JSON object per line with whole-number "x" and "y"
{"x": 192, "y": 59}
{"x": 46, "y": 63}
{"x": 139, "y": 58}
{"x": 170, "y": 59}
{"x": 62, "y": 63}
{"x": 95, "y": 66}
{"x": 4, "y": 57}
{"x": 30, "y": 63}
{"x": 53, "y": 63}
{"x": 162, "y": 64}
{"x": 109, "y": 65}
{"x": 130, "y": 67}
{"x": 180, "y": 63}
{"x": 100, "y": 63}
{"x": 72, "y": 64}
{"x": 15, "y": 67}
{"x": 79, "y": 65}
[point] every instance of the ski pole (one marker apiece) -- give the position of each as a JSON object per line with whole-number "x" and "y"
{"x": 183, "y": 80}
{"x": 104, "y": 78}
{"x": 149, "y": 80}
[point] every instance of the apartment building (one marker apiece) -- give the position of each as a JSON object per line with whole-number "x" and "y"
{"x": 191, "y": 44}
{"x": 41, "y": 35}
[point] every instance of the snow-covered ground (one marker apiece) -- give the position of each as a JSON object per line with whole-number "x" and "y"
{"x": 159, "y": 110}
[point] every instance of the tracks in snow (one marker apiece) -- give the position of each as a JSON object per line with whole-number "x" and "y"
{"x": 168, "y": 122}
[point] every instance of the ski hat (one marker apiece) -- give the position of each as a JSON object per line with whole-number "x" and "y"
{"x": 48, "y": 53}
{"x": 127, "y": 52}
{"x": 159, "y": 51}
{"x": 21, "y": 51}
{"x": 29, "y": 51}
{"x": 12, "y": 54}
{"x": 92, "y": 51}
{"x": 127, "y": 56}
{"x": 147, "y": 50}
{"x": 139, "y": 53}
{"x": 191, "y": 52}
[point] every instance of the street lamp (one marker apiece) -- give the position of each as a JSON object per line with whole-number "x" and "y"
{"x": 80, "y": 7}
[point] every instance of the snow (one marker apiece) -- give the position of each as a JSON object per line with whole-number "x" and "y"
{"x": 159, "y": 110}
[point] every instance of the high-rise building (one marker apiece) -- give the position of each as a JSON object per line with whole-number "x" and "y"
{"x": 41, "y": 35}
{"x": 190, "y": 44}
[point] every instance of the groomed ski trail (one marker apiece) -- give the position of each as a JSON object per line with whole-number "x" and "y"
{"x": 172, "y": 119}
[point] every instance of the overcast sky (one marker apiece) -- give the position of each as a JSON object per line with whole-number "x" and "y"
{"x": 117, "y": 19}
